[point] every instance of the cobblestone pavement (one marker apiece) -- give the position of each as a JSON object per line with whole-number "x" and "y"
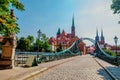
{"x": 114, "y": 70}
{"x": 81, "y": 68}
{"x": 18, "y": 72}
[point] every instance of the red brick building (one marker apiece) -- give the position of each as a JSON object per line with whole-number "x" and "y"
{"x": 63, "y": 38}
{"x": 82, "y": 47}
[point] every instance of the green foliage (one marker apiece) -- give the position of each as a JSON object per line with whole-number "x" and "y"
{"x": 37, "y": 44}
{"x": 108, "y": 51}
{"x": 44, "y": 38}
{"x": 45, "y": 44}
{"x": 8, "y": 25}
{"x": 60, "y": 48}
{"x": 31, "y": 38}
{"x": 115, "y": 6}
{"x": 28, "y": 44}
{"x": 23, "y": 44}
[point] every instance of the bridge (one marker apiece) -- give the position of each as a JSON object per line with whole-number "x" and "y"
{"x": 74, "y": 50}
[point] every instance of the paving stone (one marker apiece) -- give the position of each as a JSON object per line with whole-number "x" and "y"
{"x": 81, "y": 68}
{"x": 115, "y": 70}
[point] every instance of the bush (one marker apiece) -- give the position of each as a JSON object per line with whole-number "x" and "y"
{"x": 108, "y": 51}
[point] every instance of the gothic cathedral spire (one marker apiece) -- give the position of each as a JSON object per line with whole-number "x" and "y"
{"x": 73, "y": 25}
{"x": 58, "y": 33}
{"x": 97, "y": 36}
{"x": 102, "y": 37}
{"x": 73, "y": 28}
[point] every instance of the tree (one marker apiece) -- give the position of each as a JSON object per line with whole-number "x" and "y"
{"x": 38, "y": 44}
{"x": 45, "y": 44}
{"x": 8, "y": 25}
{"x": 108, "y": 51}
{"x": 23, "y": 44}
{"x": 31, "y": 38}
{"x": 44, "y": 38}
{"x": 115, "y": 6}
{"x": 59, "y": 48}
{"x": 42, "y": 44}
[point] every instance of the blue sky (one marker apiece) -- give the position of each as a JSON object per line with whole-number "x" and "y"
{"x": 49, "y": 15}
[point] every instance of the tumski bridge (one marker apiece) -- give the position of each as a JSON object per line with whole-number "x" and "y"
{"x": 74, "y": 50}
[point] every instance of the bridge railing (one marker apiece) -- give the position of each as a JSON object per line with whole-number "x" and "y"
{"x": 21, "y": 57}
{"x": 44, "y": 57}
{"x": 102, "y": 54}
{"x": 105, "y": 56}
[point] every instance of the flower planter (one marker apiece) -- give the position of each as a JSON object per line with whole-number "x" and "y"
{"x": 8, "y": 52}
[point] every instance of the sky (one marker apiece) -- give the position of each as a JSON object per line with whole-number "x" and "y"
{"x": 49, "y": 15}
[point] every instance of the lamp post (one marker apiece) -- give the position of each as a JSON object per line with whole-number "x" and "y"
{"x": 39, "y": 33}
{"x": 116, "y": 40}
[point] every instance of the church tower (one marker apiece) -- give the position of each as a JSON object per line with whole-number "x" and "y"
{"x": 97, "y": 36}
{"x": 73, "y": 28}
{"x": 58, "y": 33}
{"x": 102, "y": 37}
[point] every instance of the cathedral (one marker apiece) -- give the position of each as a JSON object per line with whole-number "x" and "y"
{"x": 101, "y": 39}
{"x": 62, "y": 38}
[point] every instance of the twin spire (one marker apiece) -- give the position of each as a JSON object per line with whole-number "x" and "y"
{"x": 96, "y": 32}
{"x": 97, "y": 37}
{"x": 101, "y": 32}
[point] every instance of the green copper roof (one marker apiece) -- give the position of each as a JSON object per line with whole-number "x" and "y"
{"x": 96, "y": 32}
{"x": 73, "y": 25}
{"x": 101, "y": 32}
{"x": 59, "y": 31}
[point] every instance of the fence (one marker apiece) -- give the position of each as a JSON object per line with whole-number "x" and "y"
{"x": 21, "y": 57}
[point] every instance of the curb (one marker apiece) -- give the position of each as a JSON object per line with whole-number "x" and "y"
{"x": 31, "y": 75}
{"x": 109, "y": 73}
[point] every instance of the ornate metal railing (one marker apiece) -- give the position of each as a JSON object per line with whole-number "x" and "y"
{"x": 73, "y": 50}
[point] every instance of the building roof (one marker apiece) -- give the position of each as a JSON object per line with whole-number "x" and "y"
{"x": 64, "y": 33}
{"x": 114, "y": 48}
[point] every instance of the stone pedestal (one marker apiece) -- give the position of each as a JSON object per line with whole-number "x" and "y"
{"x": 8, "y": 52}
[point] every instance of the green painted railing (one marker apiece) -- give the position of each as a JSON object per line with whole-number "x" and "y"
{"x": 70, "y": 51}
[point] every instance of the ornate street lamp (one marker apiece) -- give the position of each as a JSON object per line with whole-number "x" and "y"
{"x": 116, "y": 40}
{"x": 39, "y": 34}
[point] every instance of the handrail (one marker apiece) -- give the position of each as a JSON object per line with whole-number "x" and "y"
{"x": 102, "y": 52}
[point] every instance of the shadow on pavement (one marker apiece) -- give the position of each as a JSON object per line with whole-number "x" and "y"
{"x": 104, "y": 74}
{"x": 114, "y": 72}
